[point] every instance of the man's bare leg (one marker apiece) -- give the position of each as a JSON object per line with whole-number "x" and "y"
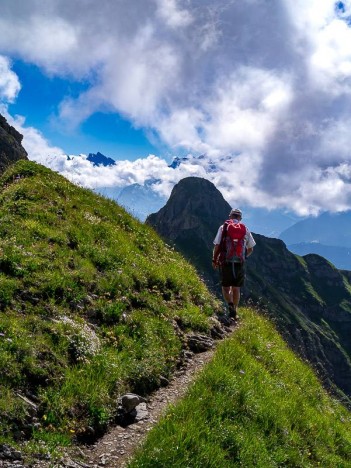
{"x": 232, "y": 297}
{"x": 231, "y": 294}
{"x": 227, "y": 294}
{"x": 236, "y": 296}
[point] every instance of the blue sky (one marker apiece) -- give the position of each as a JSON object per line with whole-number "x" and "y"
{"x": 262, "y": 89}
{"x": 109, "y": 133}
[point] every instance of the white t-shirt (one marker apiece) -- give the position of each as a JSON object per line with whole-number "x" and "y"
{"x": 249, "y": 240}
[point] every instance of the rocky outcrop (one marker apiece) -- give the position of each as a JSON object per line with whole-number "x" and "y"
{"x": 193, "y": 201}
{"x": 190, "y": 221}
{"x": 307, "y": 297}
{"x": 11, "y": 149}
{"x": 100, "y": 159}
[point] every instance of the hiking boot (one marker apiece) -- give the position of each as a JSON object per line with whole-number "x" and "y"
{"x": 224, "y": 320}
{"x": 232, "y": 311}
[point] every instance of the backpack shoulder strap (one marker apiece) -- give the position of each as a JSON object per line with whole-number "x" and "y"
{"x": 225, "y": 229}
{"x": 223, "y": 248}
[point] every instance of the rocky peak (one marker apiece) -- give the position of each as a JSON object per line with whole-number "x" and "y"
{"x": 11, "y": 149}
{"x": 99, "y": 159}
{"x": 194, "y": 204}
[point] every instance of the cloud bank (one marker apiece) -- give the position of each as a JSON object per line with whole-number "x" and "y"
{"x": 266, "y": 83}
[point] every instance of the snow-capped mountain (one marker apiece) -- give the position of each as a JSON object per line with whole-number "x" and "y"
{"x": 177, "y": 162}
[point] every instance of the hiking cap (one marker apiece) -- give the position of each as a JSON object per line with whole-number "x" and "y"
{"x": 236, "y": 211}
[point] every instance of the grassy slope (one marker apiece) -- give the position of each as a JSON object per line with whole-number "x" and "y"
{"x": 310, "y": 301}
{"x": 88, "y": 302}
{"x": 255, "y": 405}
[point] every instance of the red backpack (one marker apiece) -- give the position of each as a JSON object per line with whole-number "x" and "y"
{"x": 233, "y": 242}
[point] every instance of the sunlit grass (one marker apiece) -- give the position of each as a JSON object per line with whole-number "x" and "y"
{"x": 88, "y": 299}
{"x": 255, "y": 405}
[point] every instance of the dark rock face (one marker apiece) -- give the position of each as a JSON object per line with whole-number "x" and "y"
{"x": 190, "y": 220}
{"x": 11, "y": 149}
{"x": 307, "y": 297}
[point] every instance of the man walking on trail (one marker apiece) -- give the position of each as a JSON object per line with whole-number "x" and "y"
{"x": 232, "y": 245}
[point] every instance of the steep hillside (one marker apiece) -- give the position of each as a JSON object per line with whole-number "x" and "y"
{"x": 310, "y": 300}
{"x": 92, "y": 304}
{"x": 255, "y": 405}
{"x": 307, "y": 297}
{"x": 11, "y": 149}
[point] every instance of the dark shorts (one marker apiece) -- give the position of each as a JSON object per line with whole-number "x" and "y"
{"x": 232, "y": 278}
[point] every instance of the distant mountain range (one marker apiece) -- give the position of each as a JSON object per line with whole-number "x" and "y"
{"x": 328, "y": 229}
{"x": 328, "y": 235}
{"x": 311, "y": 235}
{"x": 142, "y": 200}
{"x": 338, "y": 256}
{"x": 139, "y": 200}
{"x": 308, "y": 299}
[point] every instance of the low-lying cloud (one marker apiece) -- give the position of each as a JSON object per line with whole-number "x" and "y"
{"x": 265, "y": 84}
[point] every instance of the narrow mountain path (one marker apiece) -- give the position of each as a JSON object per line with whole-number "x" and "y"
{"x": 117, "y": 446}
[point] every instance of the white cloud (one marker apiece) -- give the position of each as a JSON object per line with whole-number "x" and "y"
{"x": 46, "y": 41}
{"x": 170, "y": 13}
{"x": 79, "y": 170}
{"x": 323, "y": 30}
{"x": 267, "y": 83}
{"x": 246, "y": 110}
{"x": 9, "y": 82}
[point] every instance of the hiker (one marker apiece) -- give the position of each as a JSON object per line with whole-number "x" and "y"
{"x": 232, "y": 245}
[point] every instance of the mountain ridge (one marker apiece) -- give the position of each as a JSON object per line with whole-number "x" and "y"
{"x": 307, "y": 297}
{"x": 192, "y": 233}
{"x": 338, "y": 256}
{"x": 100, "y": 159}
